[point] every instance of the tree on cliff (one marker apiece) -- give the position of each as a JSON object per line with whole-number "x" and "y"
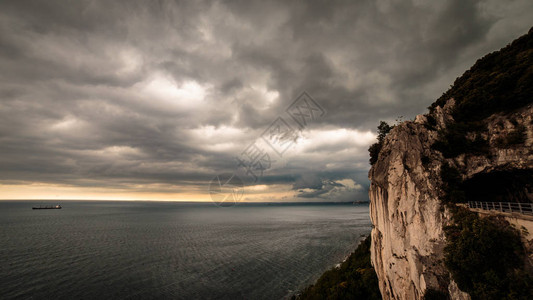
{"x": 383, "y": 129}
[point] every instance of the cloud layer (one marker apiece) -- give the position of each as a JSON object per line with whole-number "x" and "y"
{"x": 159, "y": 97}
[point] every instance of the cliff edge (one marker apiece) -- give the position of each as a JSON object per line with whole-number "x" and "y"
{"x": 483, "y": 129}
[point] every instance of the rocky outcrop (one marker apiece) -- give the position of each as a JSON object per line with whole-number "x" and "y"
{"x": 405, "y": 194}
{"x": 487, "y": 120}
{"x": 408, "y": 237}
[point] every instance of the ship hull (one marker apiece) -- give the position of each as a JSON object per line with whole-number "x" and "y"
{"x": 46, "y": 207}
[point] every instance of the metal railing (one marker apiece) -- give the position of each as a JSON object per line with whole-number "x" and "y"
{"x": 523, "y": 208}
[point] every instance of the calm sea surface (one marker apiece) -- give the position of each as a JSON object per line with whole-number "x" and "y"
{"x": 169, "y": 250}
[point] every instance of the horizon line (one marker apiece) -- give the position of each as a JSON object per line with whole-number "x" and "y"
{"x": 184, "y": 201}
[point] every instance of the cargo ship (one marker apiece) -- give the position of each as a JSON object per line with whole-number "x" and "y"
{"x": 47, "y": 207}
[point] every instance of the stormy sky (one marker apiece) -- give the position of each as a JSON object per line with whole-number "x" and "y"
{"x": 153, "y": 99}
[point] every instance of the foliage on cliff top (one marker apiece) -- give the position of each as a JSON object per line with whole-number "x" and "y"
{"x": 354, "y": 279}
{"x": 500, "y": 81}
{"x": 486, "y": 258}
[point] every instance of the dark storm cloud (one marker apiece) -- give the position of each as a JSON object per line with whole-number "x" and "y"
{"x": 99, "y": 93}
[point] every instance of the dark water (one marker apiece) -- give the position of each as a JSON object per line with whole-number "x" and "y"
{"x": 157, "y": 250}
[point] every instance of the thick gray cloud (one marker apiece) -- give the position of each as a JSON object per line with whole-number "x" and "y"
{"x": 126, "y": 93}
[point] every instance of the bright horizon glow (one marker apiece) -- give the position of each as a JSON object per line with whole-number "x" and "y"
{"x": 259, "y": 193}
{"x": 41, "y": 191}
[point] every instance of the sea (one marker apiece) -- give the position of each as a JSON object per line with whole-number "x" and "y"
{"x": 171, "y": 250}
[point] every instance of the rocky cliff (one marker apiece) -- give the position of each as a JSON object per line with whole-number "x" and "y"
{"x": 482, "y": 127}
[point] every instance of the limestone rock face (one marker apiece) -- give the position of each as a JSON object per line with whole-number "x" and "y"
{"x": 405, "y": 192}
{"x": 408, "y": 237}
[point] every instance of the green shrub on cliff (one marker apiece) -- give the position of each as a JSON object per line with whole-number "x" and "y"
{"x": 373, "y": 150}
{"x": 453, "y": 141}
{"x": 354, "y": 279}
{"x": 486, "y": 258}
